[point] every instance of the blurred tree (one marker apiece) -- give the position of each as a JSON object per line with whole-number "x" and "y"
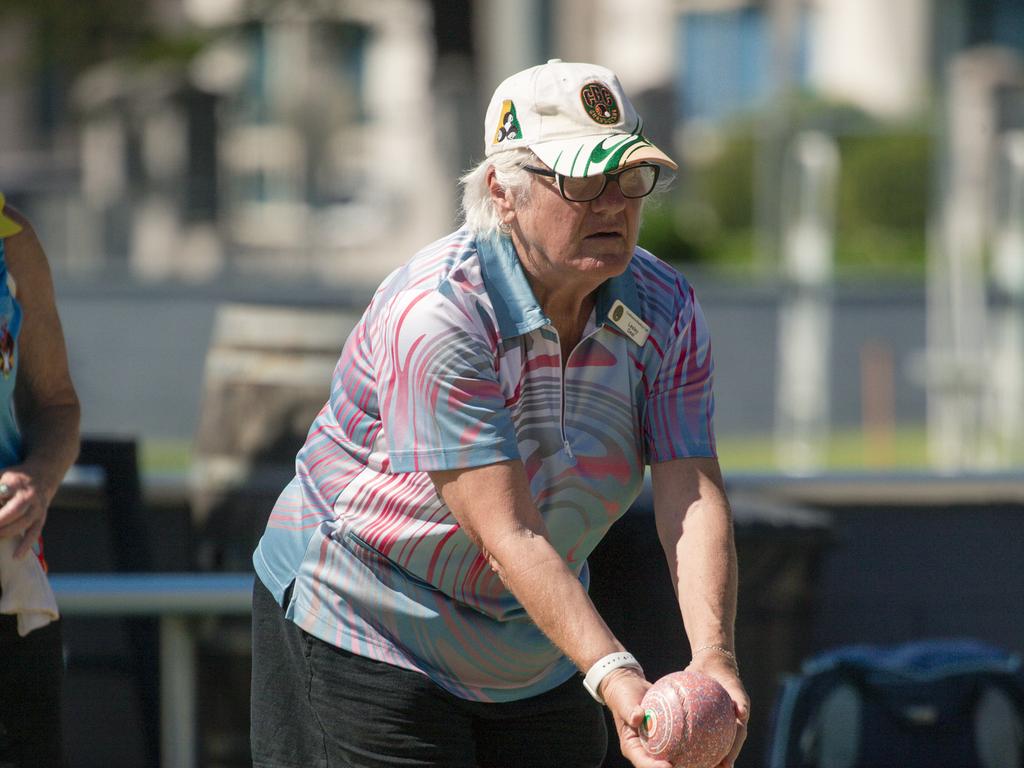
{"x": 882, "y": 204}
{"x": 68, "y": 38}
{"x": 886, "y": 181}
{"x": 663, "y": 232}
{"x": 883, "y": 200}
{"x": 728, "y": 182}
{"x": 76, "y": 35}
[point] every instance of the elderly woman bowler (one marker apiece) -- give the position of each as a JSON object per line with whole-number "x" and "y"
{"x": 422, "y": 582}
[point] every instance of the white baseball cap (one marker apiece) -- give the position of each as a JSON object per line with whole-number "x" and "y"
{"x": 575, "y": 117}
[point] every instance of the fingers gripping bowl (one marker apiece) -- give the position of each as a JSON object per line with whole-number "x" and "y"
{"x": 689, "y": 720}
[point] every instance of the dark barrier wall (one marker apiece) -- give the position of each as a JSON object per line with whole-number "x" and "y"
{"x": 918, "y": 556}
{"x": 831, "y": 561}
{"x": 900, "y": 573}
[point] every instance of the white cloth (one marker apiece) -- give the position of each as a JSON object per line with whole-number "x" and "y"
{"x": 26, "y": 590}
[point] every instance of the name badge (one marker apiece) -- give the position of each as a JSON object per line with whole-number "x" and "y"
{"x": 627, "y": 321}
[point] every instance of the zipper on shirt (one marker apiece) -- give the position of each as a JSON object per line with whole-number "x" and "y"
{"x": 568, "y": 448}
{"x": 561, "y": 378}
{"x": 561, "y": 396}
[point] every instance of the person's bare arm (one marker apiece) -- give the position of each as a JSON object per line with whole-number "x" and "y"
{"x": 494, "y": 507}
{"x": 45, "y": 401}
{"x": 695, "y": 528}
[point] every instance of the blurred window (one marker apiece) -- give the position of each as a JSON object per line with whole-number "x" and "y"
{"x": 995, "y": 21}
{"x": 726, "y": 65}
{"x": 295, "y": 128}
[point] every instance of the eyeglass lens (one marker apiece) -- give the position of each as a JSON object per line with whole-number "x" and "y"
{"x": 637, "y": 181}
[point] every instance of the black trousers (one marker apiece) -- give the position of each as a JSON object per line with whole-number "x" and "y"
{"x": 314, "y": 705}
{"x": 31, "y": 675}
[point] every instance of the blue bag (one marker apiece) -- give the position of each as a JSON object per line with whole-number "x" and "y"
{"x": 927, "y": 704}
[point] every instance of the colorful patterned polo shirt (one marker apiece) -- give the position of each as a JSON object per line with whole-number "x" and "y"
{"x": 455, "y": 365}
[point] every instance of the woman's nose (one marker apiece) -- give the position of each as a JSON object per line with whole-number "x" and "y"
{"x": 611, "y": 198}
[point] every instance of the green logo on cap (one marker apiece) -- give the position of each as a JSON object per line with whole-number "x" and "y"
{"x": 508, "y": 124}
{"x": 599, "y": 103}
{"x": 613, "y": 155}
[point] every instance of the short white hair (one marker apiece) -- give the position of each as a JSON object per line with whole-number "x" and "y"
{"x": 478, "y": 207}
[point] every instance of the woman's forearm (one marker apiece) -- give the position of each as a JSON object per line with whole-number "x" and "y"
{"x": 51, "y": 439}
{"x": 554, "y": 598}
{"x": 494, "y": 507}
{"x": 706, "y": 579}
{"x": 44, "y": 396}
{"x": 695, "y": 528}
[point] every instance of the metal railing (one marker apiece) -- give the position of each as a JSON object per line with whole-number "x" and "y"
{"x": 177, "y": 600}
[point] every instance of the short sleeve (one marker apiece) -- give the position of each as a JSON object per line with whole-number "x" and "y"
{"x": 679, "y": 412}
{"x": 441, "y": 404}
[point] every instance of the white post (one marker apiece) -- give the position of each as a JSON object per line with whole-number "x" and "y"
{"x": 805, "y": 316}
{"x": 958, "y": 375}
{"x": 1005, "y": 416}
{"x": 178, "y": 745}
{"x": 509, "y": 37}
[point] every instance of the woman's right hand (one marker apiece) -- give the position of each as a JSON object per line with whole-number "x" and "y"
{"x": 623, "y": 690}
{"x": 23, "y": 506}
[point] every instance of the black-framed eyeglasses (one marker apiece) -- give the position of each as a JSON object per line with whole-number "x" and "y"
{"x": 635, "y": 181}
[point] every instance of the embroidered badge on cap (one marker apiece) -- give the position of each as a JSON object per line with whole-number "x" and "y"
{"x": 599, "y": 103}
{"x": 627, "y": 321}
{"x": 508, "y": 126}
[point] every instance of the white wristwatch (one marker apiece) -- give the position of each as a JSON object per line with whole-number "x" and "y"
{"x": 603, "y": 666}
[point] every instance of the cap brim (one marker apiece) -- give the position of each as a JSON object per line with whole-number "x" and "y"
{"x": 594, "y": 155}
{"x": 8, "y": 226}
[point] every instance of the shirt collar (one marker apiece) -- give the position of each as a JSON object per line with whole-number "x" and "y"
{"x": 516, "y": 308}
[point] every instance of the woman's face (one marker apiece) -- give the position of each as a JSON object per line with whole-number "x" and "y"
{"x": 559, "y": 240}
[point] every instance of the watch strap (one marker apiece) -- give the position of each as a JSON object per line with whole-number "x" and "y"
{"x": 605, "y": 665}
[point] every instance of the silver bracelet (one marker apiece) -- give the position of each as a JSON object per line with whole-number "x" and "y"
{"x": 721, "y": 649}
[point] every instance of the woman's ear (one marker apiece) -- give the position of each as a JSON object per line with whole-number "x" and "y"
{"x": 501, "y": 197}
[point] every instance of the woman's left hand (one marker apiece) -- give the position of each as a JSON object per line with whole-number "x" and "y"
{"x": 724, "y": 670}
{"x": 23, "y": 508}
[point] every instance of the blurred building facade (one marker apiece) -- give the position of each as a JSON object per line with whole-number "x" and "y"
{"x": 297, "y": 140}
{"x": 306, "y": 133}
